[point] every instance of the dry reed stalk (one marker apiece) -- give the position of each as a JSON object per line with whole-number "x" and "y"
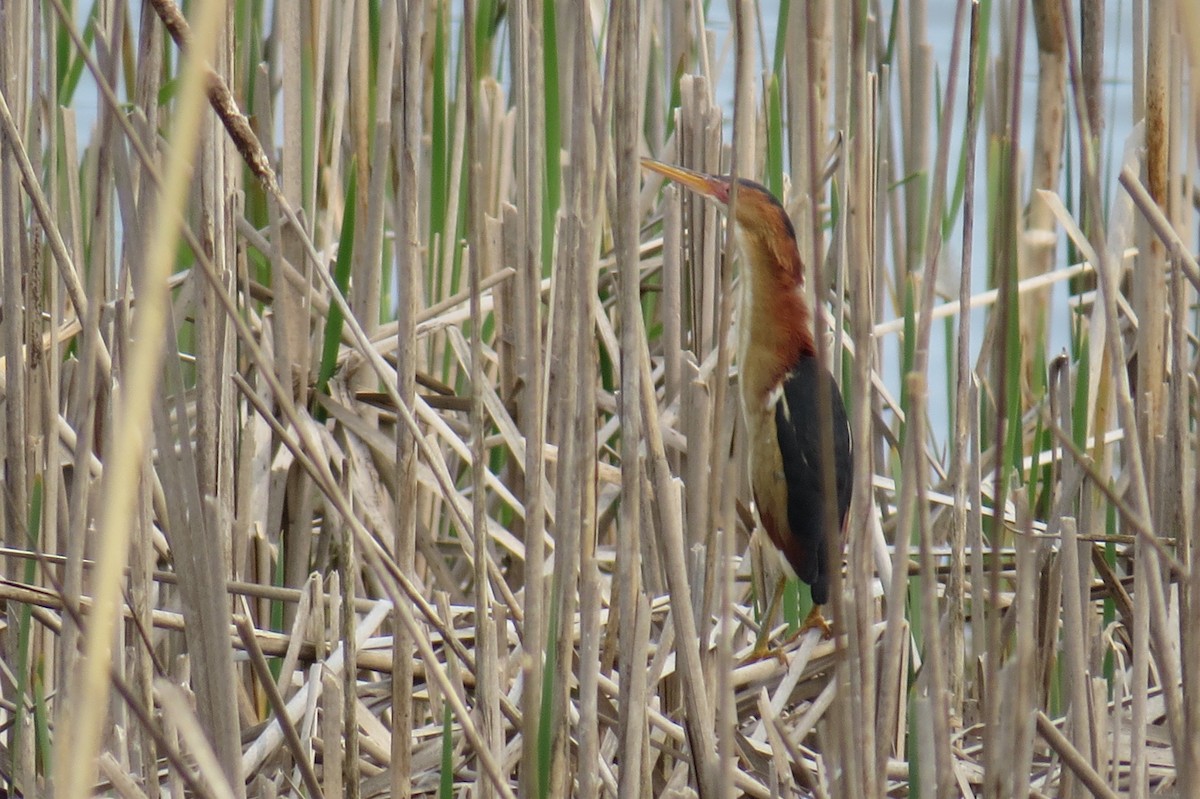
{"x": 1046, "y": 166}
{"x": 933, "y": 669}
{"x": 699, "y": 720}
{"x": 855, "y": 607}
{"x": 916, "y": 93}
{"x": 1150, "y": 285}
{"x": 487, "y": 687}
{"x": 1189, "y": 517}
{"x": 1000, "y": 739}
{"x": 365, "y": 288}
{"x": 673, "y": 352}
{"x": 721, "y": 508}
{"x": 78, "y": 410}
{"x": 526, "y": 230}
{"x": 932, "y": 617}
{"x": 708, "y": 285}
{"x": 893, "y": 658}
{"x": 623, "y": 50}
{"x": 290, "y": 322}
{"x": 21, "y": 385}
{"x": 408, "y": 290}
{"x": 965, "y": 380}
{"x": 591, "y": 148}
{"x": 1073, "y": 758}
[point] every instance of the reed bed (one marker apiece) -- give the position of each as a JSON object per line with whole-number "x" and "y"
{"x": 370, "y": 423}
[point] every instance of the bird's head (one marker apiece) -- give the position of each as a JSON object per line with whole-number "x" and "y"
{"x": 767, "y": 234}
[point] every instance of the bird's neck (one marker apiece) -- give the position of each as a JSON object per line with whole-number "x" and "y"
{"x": 774, "y": 323}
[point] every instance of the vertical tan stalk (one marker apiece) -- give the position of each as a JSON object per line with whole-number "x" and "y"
{"x": 917, "y": 111}
{"x": 581, "y": 540}
{"x": 487, "y": 700}
{"x": 1150, "y": 304}
{"x": 51, "y": 535}
{"x": 935, "y": 667}
{"x": 857, "y": 607}
{"x": 290, "y": 320}
{"x": 1150, "y": 280}
{"x": 583, "y": 186}
{"x": 290, "y": 305}
{"x": 1180, "y": 486}
{"x": 216, "y": 414}
{"x": 1091, "y": 64}
{"x": 1017, "y": 691}
{"x": 21, "y": 320}
{"x": 215, "y": 356}
{"x": 81, "y": 417}
{"x": 1188, "y": 484}
{"x": 345, "y": 622}
{"x": 698, "y": 719}
{"x": 816, "y": 18}
{"x": 1139, "y": 676}
{"x": 814, "y": 122}
{"x": 374, "y": 176}
{"x": 565, "y": 354}
{"x": 715, "y": 319}
{"x": 1091, "y": 91}
{"x": 577, "y": 586}
{"x": 699, "y": 280}
{"x": 1075, "y": 642}
{"x": 965, "y": 378}
{"x": 1046, "y": 158}
{"x": 724, "y": 519}
{"x": 528, "y": 91}
{"x": 893, "y": 681}
{"x": 672, "y": 298}
{"x": 997, "y": 741}
{"x": 204, "y": 562}
{"x": 931, "y": 686}
{"x": 626, "y": 134}
{"x": 410, "y": 261}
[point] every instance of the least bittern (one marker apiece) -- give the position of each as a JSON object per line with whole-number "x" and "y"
{"x": 780, "y": 376}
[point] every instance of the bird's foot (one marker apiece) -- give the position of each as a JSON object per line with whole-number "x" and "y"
{"x": 763, "y": 650}
{"x": 762, "y": 642}
{"x": 815, "y": 621}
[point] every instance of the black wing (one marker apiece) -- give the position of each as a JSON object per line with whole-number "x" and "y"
{"x": 797, "y": 426}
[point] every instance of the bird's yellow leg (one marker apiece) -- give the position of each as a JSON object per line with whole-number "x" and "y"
{"x": 816, "y": 621}
{"x": 762, "y": 645}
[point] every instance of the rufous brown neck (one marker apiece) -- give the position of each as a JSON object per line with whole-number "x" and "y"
{"x": 774, "y": 326}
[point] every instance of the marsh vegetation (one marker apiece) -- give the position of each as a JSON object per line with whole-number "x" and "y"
{"x": 370, "y": 423}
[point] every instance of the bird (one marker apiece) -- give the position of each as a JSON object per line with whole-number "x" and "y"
{"x": 780, "y": 377}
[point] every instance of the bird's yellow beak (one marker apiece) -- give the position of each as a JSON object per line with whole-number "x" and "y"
{"x": 702, "y": 184}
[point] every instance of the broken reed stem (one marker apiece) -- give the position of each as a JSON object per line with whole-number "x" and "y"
{"x": 1072, "y": 758}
